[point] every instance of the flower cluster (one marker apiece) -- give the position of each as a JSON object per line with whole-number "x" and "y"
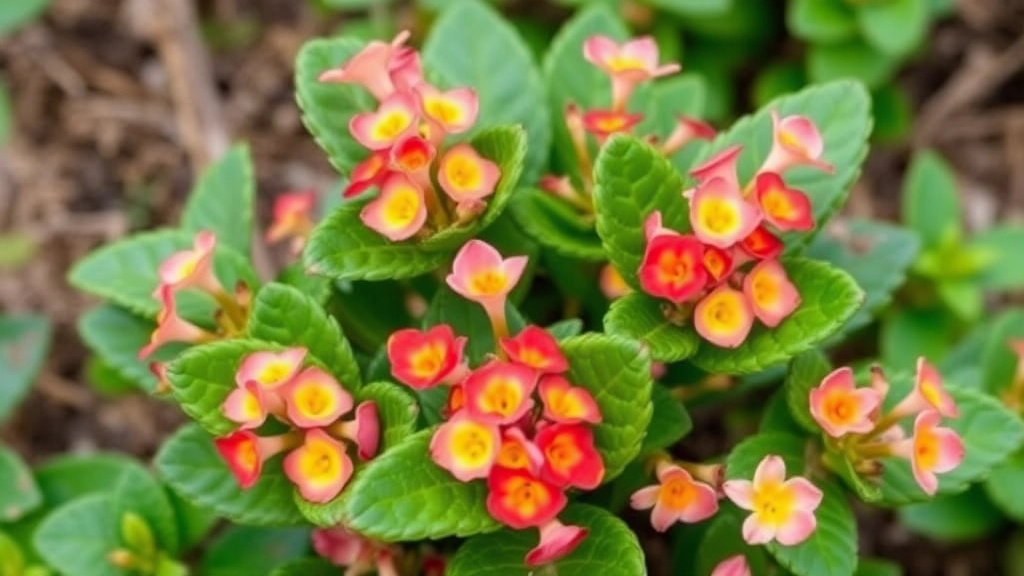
{"x": 729, "y": 264}
{"x": 529, "y": 450}
{"x": 405, "y": 137}
{"x": 312, "y": 404}
{"x": 628, "y": 65}
{"x": 194, "y": 270}
{"x": 856, "y": 425}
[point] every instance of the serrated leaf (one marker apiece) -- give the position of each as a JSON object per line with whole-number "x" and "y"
{"x": 610, "y": 547}
{"x": 306, "y": 567}
{"x": 316, "y": 287}
{"x": 980, "y": 414}
{"x": 467, "y": 45}
{"x": 931, "y": 199}
{"x": 24, "y": 341}
{"x": 670, "y": 421}
{"x": 832, "y": 547}
{"x": 284, "y": 315}
{"x": 959, "y": 518}
{"x": 116, "y": 336}
{"x": 999, "y": 361}
{"x": 222, "y": 200}
{"x": 126, "y": 273}
{"x": 565, "y": 328}
{"x": 137, "y": 491}
{"x": 19, "y": 494}
{"x": 1000, "y": 246}
{"x": 77, "y": 537}
{"x": 895, "y": 27}
{"x": 821, "y": 21}
{"x": 829, "y": 298}
{"x": 189, "y": 463}
{"x": 849, "y": 59}
{"x": 617, "y": 373}
{"x": 640, "y": 317}
{"x": 842, "y": 112}
{"x": 251, "y": 550}
{"x": 403, "y": 495}
{"x": 806, "y": 372}
{"x": 366, "y": 324}
{"x": 632, "y": 181}
{"x": 556, "y": 224}
{"x": 909, "y": 333}
{"x": 876, "y": 254}
{"x": 327, "y": 108}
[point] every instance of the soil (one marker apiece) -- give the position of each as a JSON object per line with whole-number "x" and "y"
{"x": 117, "y": 103}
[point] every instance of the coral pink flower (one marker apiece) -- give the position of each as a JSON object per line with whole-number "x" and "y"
{"x": 465, "y": 447}
{"x": 719, "y": 214}
{"x": 557, "y": 541}
{"x": 364, "y": 430}
{"x": 480, "y": 274}
{"x": 676, "y": 498}
{"x": 314, "y": 399}
{"x": 245, "y": 453}
{"x": 724, "y": 317}
{"x": 412, "y": 155}
{"x": 928, "y": 394}
{"x": 292, "y": 216}
{"x": 453, "y": 111}
{"x": 519, "y": 499}
{"x": 465, "y": 175}
{"x": 653, "y": 227}
{"x": 319, "y": 468}
{"x": 932, "y": 450}
{"x": 499, "y": 392}
{"x": 785, "y": 208}
{"x": 170, "y": 327}
{"x": 628, "y": 64}
{"x": 732, "y": 566}
{"x": 564, "y": 402}
{"x": 781, "y": 509}
{"x": 405, "y": 69}
{"x": 536, "y": 348}
{"x": 342, "y": 547}
{"x": 369, "y": 67}
{"x": 795, "y": 142}
{"x": 191, "y": 268}
{"x": 270, "y": 369}
{"x": 673, "y": 267}
{"x": 721, "y": 165}
{"x": 771, "y": 294}
{"x": 399, "y": 212}
{"x": 570, "y": 458}
{"x": 246, "y": 406}
{"x": 841, "y": 408}
{"x": 612, "y": 284}
{"x": 368, "y": 173}
{"x": 394, "y": 118}
{"x": 518, "y": 453}
{"x": 604, "y": 123}
{"x": 425, "y": 359}
{"x": 718, "y": 263}
{"x": 762, "y": 244}
{"x": 687, "y": 130}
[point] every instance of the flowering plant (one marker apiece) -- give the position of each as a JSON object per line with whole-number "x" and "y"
{"x": 487, "y": 353}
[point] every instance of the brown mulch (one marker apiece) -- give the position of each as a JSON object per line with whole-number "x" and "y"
{"x": 118, "y": 102}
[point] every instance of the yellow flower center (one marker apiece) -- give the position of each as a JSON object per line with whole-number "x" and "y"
{"x": 443, "y": 110}
{"x": 501, "y": 396}
{"x": 719, "y": 216}
{"x": 463, "y": 172}
{"x": 488, "y": 283}
{"x": 774, "y": 503}
{"x": 391, "y": 125}
{"x": 471, "y": 444}
{"x": 402, "y": 207}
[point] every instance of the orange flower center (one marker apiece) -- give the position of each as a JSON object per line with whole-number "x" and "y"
{"x": 840, "y": 407}
{"x": 427, "y": 361}
{"x": 315, "y": 399}
{"x": 526, "y": 496}
{"x": 501, "y": 396}
{"x": 320, "y": 461}
{"x": 777, "y": 204}
{"x": 471, "y": 444}
{"x": 488, "y": 283}
{"x": 563, "y": 453}
{"x": 926, "y": 449}
{"x": 513, "y": 455}
{"x": 765, "y": 290}
{"x": 675, "y": 268}
{"x": 677, "y": 493}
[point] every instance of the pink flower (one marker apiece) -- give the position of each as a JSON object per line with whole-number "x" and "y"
{"x": 364, "y": 430}
{"x": 405, "y": 69}
{"x": 771, "y": 294}
{"x": 782, "y": 510}
{"x": 841, "y": 408}
{"x": 399, "y": 212}
{"x": 932, "y": 450}
{"x": 928, "y": 394}
{"x": 453, "y": 111}
{"x": 732, "y": 566}
{"x": 369, "y": 67}
{"x": 395, "y": 117}
{"x": 319, "y": 468}
{"x": 795, "y": 142}
{"x": 687, "y": 130}
{"x": 246, "y": 406}
{"x": 465, "y": 175}
{"x": 557, "y": 540}
{"x": 480, "y": 274}
{"x": 628, "y": 64}
{"x": 719, "y": 214}
{"x": 170, "y": 327}
{"x": 270, "y": 369}
{"x": 724, "y": 317}
{"x": 676, "y": 498}
{"x": 721, "y": 165}
{"x": 465, "y": 447}
{"x": 191, "y": 268}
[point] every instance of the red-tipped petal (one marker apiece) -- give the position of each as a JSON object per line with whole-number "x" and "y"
{"x": 603, "y": 123}
{"x": 673, "y": 268}
{"x": 499, "y": 392}
{"x": 570, "y": 458}
{"x": 557, "y": 540}
{"x": 245, "y": 406}
{"x": 536, "y": 348}
{"x": 453, "y": 111}
{"x": 412, "y": 155}
{"x": 369, "y": 172}
{"x": 566, "y": 403}
{"x": 521, "y": 500}
{"x": 395, "y": 117}
{"x": 783, "y": 207}
{"x": 270, "y": 369}
{"x": 517, "y": 452}
{"x": 718, "y": 263}
{"x": 245, "y": 453}
{"x": 423, "y": 359}
{"x": 367, "y": 433}
{"x": 762, "y": 244}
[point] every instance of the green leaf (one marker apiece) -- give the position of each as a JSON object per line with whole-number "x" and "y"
{"x": 852, "y": 59}
{"x": 724, "y": 539}
{"x": 963, "y": 297}
{"x": 679, "y": 95}
{"x": 866, "y": 488}
{"x": 565, "y": 328}
{"x": 931, "y": 199}
{"x": 556, "y": 224}
{"x": 1003, "y": 486}
{"x": 776, "y": 80}
{"x": 316, "y": 287}
{"x": 640, "y": 317}
{"x": 189, "y": 463}
{"x": 894, "y": 27}
{"x": 468, "y": 319}
{"x": 696, "y": 8}
{"x": 116, "y": 335}
{"x": 617, "y": 373}
{"x": 284, "y": 315}
{"x": 632, "y": 181}
{"x": 126, "y": 273}
{"x": 12, "y": 561}
{"x": 909, "y": 333}
{"x": 832, "y": 548}
{"x": 16, "y": 14}
{"x": 68, "y": 477}
{"x": 19, "y": 494}
{"x": 1000, "y": 246}
{"x": 980, "y": 414}
{"x": 403, "y": 495}
{"x": 777, "y": 417}
{"x": 670, "y": 421}
{"x": 893, "y": 110}
{"x": 806, "y": 372}
{"x": 222, "y": 200}
{"x": 821, "y": 21}
{"x": 876, "y": 567}
{"x": 610, "y": 547}
{"x": 138, "y": 492}
{"x": 467, "y": 44}
{"x": 842, "y": 112}
{"x": 251, "y": 551}
{"x": 327, "y": 108}
{"x": 306, "y": 567}
{"x": 829, "y": 296}
{"x": 77, "y": 537}
{"x": 24, "y": 341}
{"x": 366, "y": 324}
{"x": 998, "y": 360}
{"x": 876, "y": 254}
{"x": 194, "y": 522}
{"x": 960, "y": 518}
